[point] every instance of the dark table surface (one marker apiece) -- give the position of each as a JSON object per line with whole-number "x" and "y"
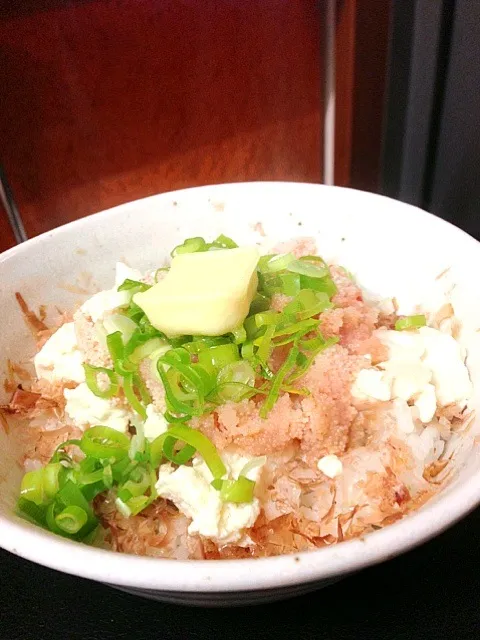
{"x": 431, "y": 592}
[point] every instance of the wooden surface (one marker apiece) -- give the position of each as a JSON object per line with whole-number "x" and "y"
{"x": 7, "y": 238}
{"x": 105, "y": 101}
{"x": 344, "y": 81}
{"x": 361, "y": 60}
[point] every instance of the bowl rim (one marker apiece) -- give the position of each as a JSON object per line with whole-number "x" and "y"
{"x": 35, "y": 544}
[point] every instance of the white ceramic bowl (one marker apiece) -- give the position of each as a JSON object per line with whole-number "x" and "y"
{"x": 393, "y": 248}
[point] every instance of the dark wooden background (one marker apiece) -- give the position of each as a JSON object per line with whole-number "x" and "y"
{"x": 106, "y": 101}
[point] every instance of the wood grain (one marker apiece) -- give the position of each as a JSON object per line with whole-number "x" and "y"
{"x": 107, "y": 101}
{"x": 7, "y": 238}
{"x": 361, "y": 60}
{"x": 344, "y": 87}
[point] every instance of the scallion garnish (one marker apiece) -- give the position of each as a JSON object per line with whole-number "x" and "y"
{"x": 91, "y": 379}
{"x": 128, "y": 284}
{"x": 237, "y": 491}
{"x": 103, "y": 442}
{"x": 196, "y": 440}
{"x": 410, "y": 322}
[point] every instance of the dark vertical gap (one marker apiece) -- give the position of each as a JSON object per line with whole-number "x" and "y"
{"x": 446, "y": 30}
{"x": 397, "y": 92}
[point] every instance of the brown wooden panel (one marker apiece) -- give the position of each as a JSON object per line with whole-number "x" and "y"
{"x": 106, "y": 101}
{"x": 344, "y": 81}
{"x": 361, "y": 58}
{"x": 7, "y": 238}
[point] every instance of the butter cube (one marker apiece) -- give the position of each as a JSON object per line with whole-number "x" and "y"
{"x": 207, "y": 293}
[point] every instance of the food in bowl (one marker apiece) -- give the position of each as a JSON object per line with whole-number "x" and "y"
{"x": 236, "y": 405}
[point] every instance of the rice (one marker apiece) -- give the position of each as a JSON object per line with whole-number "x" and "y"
{"x": 387, "y": 470}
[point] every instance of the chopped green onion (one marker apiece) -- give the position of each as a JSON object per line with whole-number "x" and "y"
{"x": 196, "y": 439}
{"x": 239, "y": 335}
{"x": 302, "y": 326}
{"x": 313, "y": 259}
{"x": 219, "y": 356}
{"x": 137, "y": 349}
{"x": 201, "y": 343}
{"x": 259, "y": 303}
{"x": 60, "y": 455}
{"x": 103, "y": 442}
{"x": 136, "y": 485}
{"x": 135, "y": 312}
{"x": 137, "y": 504}
{"x": 71, "y": 519}
{"x": 238, "y": 491}
{"x": 32, "y": 488}
{"x": 410, "y": 322}
{"x": 108, "y": 476}
{"x": 91, "y": 378}
{"x": 307, "y": 269}
{"x": 266, "y": 318}
{"x": 240, "y": 371}
{"x": 325, "y": 284}
{"x": 248, "y": 351}
{"x": 42, "y": 484}
{"x": 133, "y": 284}
{"x": 191, "y": 245}
{"x": 32, "y": 512}
{"x": 116, "y": 349}
{"x": 277, "y": 382}
{"x": 279, "y": 262}
{"x": 265, "y": 344}
{"x": 289, "y": 283}
{"x": 185, "y": 454}
{"x": 119, "y": 322}
{"x": 131, "y": 384}
{"x": 224, "y": 242}
{"x": 232, "y": 392}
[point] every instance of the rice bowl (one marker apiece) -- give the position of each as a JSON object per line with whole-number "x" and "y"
{"x": 430, "y": 279}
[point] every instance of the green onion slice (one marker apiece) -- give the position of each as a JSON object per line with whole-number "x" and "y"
{"x": 220, "y": 356}
{"x": 325, "y": 284}
{"x": 237, "y": 491}
{"x": 91, "y": 378}
{"x": 224, "y": 242}
{"x": 103, "y": 442}
{"x": 307, "y": 269}
{"x": 191, "y": 245}
{"x": 274, "y": 263}
{"x": 131, "y": 385}
{"x": 232, "y": 392}
{"x": 240, "y": 371}
{"x": 71, "y": 519}
{"x": 122, "y": 323}
{"x": 116, "y": 349}
{"x": 277, "y": 382}
{"x": 410, "y": 322}
{"x": 195, "y": 439}
{"x": 134, "y": 284}
{"x": 182, "y": 456}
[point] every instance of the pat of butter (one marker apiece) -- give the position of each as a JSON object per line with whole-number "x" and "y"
{"x": 207, "y": 293}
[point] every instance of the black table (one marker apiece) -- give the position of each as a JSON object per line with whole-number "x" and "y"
{"x": 431, "y": 592}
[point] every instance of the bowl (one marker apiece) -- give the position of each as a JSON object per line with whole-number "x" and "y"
{"x": 393, "y": 249}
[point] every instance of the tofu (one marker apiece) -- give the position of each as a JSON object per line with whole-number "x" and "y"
{"x": 207, "y": 293}
{"x": 60, "y": 358}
